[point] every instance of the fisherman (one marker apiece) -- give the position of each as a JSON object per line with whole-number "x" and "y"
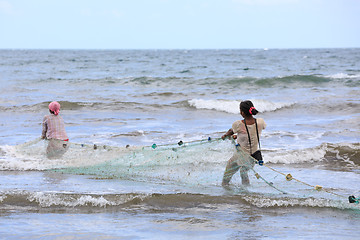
{"x": 53, "y": 129}
{"x": 248, "y": 131}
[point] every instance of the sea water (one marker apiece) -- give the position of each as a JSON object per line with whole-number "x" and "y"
{"x": 113, "y": 183}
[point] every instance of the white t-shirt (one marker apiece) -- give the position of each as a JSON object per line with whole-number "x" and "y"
{"x": 239, "y": 128}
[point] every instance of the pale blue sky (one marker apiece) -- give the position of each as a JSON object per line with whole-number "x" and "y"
{"x": 174, "y": 24}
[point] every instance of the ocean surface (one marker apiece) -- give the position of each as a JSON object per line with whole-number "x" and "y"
{"x": 126, "y": 174}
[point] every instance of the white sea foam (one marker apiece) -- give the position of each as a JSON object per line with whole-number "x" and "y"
{"x": 33, "y": 156}
{"x": 219, "y": 105}
{"x": 232, "y": 106}
{"x": 55, "y": 199}
{"x": 313, "y": 154}
{"x": 343, "y": 76}
{"x": 21, "y": 160}
{"x": 297, "y": 156}
{"x": 264, "y": 202}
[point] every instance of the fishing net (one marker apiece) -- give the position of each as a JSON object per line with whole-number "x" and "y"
{"x": 199, "y": 163}
{"x": 196, "y": 163}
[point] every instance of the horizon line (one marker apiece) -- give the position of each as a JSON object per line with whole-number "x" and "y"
{"x": 260, "y": 48}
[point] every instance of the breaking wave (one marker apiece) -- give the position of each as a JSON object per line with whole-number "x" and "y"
{"x": 341, "y": 153}
{"x": 76, "y": 202}
{"x": 233, "y": 106}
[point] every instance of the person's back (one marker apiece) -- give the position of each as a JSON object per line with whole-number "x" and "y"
{"x": 239, "y": 129}
{"x": 53, "y": 129}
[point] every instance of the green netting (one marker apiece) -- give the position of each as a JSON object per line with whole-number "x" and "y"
{"x": 195, "y": 163}
{"x": 198, "y": 163}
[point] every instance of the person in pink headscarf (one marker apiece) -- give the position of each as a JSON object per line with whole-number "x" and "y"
{"x": 53, "y": 129}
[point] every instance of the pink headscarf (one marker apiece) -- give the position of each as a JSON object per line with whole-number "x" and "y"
{"x": 55, "y": 107}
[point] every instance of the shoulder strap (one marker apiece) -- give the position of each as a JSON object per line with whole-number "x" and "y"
{"x": 257, "y": 133}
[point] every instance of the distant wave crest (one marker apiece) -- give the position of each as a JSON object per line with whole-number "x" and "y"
{"x": 232, "y": 106}
{"x": 343, "y": 76}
